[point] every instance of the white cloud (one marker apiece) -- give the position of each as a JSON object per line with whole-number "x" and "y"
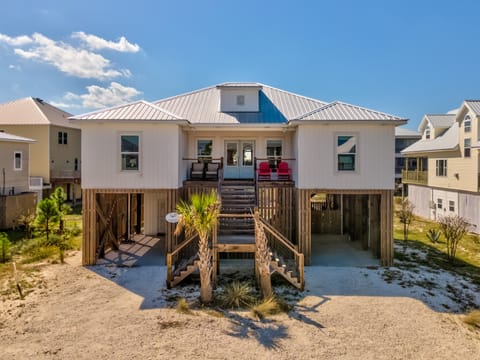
{"x": 64, "y": 105}
{"x": 16, "y": 41}
{"x": 74, "y": 61}
{"x": 14, "y": 67}
{"x": 97, "y": 43}
{"x": 98, "y": 97}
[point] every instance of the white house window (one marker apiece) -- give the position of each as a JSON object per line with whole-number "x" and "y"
{"x": 62, "y": 138}
{"x": 441, "y": 167}
{"x": 204, "y": 150}
{"x": 439, "y": 203}
{"x": 346, "y": 152}
{"x": 451, "y": 205}
{"x": 427, "y": 132}
{"x": 274, "y": 152}
{"x": 240, "y": 100}
{"x": 467, "y": 124}
{"x": 466, "y": 147}
{"x": 17, "y": 160}
{"x": 130, "y": 151}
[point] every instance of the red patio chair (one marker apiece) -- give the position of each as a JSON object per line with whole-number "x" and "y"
{"x": 264, "y": 171}
{"x": 283, "y": 171}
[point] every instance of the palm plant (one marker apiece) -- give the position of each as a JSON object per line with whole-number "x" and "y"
{"x": 200, "y": 216}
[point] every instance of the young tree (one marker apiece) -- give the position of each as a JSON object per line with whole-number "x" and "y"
{"x": 59, "y": 196}
{"x": 454, "y": 228}
{"x": 4, "y": 247}
{"x": 47, "y": 213}
{"x": 405, "y": 215}
{"x": 262, "y": 258}
{"x": 200, "y": 216}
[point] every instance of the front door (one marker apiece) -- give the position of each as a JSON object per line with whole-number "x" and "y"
{"x": 239, "y": 159}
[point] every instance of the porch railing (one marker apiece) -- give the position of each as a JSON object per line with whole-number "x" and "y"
{"x": 189, "y": 162}
{"x": 65, "y": 174}
{"x": 415, "y": 177}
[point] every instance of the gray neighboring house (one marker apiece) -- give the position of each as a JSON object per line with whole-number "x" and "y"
{"x": 15, "y": 198}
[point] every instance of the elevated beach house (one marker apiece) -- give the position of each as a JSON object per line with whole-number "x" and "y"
{"x": 443, "y": 170}
{"x": 308, "y": 166}
{"x": 55, "y": 155}
{"x": 15, "y": 198}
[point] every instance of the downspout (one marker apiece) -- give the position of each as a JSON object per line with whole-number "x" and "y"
{"x": 3, "y": 183}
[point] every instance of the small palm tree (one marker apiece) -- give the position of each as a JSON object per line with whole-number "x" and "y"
{"x": 200, "y": 217}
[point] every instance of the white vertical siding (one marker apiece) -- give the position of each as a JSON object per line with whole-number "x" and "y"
{"x": 159, "y": 156}
{"x": 228, "y": 100}
{"x": 469, "y": 208}
{"x": 421, "y": 198}
{"x": 155, "y": 209}
{"x": 316, "y": 157}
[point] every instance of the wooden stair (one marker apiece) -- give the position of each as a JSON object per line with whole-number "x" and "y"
{"x": 237, "y": 197}
{"x": 284, "y": 269}
{"x": 184, "y": 269}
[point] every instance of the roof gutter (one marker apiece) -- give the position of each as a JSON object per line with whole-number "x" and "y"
{"x": 336, "y": 122}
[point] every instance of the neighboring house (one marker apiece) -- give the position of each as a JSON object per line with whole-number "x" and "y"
{"x": 403, "y": 138}
{"x": 15, "y": 199}
{"x": 445, "y": 180}
{"x": 137, "y": 164}
{"x": 56, "y": 155}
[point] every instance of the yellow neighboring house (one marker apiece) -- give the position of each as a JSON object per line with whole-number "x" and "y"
{"x": 55, "y": 158}
{"x": 15, "y": 198}
{"x": 444, "y": 179}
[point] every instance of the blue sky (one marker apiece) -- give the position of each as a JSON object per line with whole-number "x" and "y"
{"x": 406, "y": 57}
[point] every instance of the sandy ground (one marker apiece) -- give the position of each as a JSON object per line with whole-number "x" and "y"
{"x": 123, "y": 313}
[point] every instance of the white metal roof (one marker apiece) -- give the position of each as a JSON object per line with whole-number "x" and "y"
{"x": 342, "y": 111}
{"x": 138, "y": 110}
{"x": 474, "y": 105}
{"x": 446, "y": 142}
{"x": 401, "y": 132}
{"x": 14, "y": 138}
{"x": 32, "y": 111}
{"x": 276, "y": 106}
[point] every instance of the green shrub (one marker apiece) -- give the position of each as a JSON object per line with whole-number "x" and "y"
{"x": 237, "y": 294}
{"x": 433, "y": 235}
{"x": 4, "y": 248}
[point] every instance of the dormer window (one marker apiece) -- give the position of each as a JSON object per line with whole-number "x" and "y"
{"x": 427, "y": 132}
{"x": 467, "y": 124}
{"x": 240, "y": 100}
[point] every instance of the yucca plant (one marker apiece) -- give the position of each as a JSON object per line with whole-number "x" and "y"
{"x": 268, "y": 306}
{"x": 434, "y": 235}
{"x": 200, "y": 216}
{"x": 472, "y": 318}
{"x": 183, "y": 307}
{"x": 237, "y": 294}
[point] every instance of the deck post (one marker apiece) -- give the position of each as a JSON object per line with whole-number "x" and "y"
{"x": 169, "y": 270}
{"x": 215, "y": 263}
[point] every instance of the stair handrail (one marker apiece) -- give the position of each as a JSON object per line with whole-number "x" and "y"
{"x": 288, "y": 244}
{"x": 175, "y": 251}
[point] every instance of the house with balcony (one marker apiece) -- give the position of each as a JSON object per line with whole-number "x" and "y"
{"x": 15, "y": 197}
{"x": 306, "y": 166}
{"x": 403, "y": 138}
{"x": 443, "y": 167}
{"x": 55, "y": 157}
